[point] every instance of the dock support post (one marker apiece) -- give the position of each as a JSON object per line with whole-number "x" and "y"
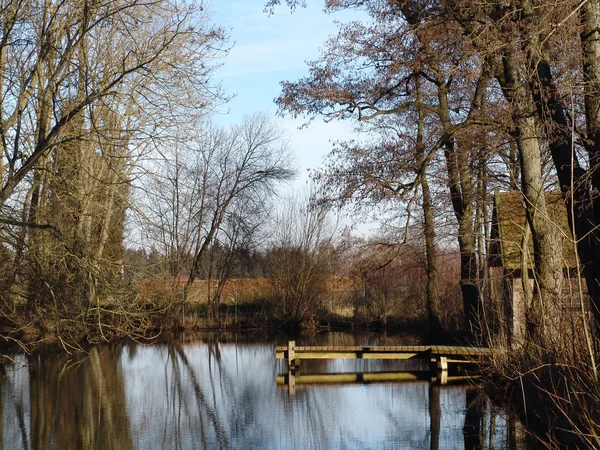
{"x": 291, "y": 357}
{"x": 442, "y": 367}
{"x": 443, "y": 364}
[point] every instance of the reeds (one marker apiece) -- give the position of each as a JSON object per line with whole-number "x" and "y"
{"x": 553, "y": 389}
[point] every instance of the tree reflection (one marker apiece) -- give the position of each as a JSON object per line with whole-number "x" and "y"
{"x": 78, "y": 402}
{"x": 435, "y": 414}
{"x": 201, "y": 408}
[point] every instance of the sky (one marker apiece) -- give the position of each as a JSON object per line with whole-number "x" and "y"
{"x": 268, "y": 49}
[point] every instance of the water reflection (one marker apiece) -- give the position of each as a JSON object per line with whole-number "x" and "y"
{"x": 220, "y": 396}
{"x": 53, "y": 402}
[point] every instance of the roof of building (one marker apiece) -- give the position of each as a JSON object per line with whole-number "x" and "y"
{"x": 508, "y": 227}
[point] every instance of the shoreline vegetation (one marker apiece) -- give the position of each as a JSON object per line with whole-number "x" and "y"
{"x": 245, "y": 305}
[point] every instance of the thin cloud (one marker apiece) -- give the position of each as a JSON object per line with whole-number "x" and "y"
{"x": 282, "y": 41}
{"x": 264, "y": 57}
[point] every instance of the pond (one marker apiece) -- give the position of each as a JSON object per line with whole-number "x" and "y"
{"x": 201, "y": 393}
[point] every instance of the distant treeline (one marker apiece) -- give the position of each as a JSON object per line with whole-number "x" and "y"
{"x": 331, "y": 286}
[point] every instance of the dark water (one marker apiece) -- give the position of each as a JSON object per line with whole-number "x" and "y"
{"x": 200, "y": 395}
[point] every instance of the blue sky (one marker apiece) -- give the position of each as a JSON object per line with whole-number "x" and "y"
{"x": 268, "y": 49}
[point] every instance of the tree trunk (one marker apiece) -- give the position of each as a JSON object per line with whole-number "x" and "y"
{"x": 432, "y": 291}
{"x": 587, "y": 207}
{"x": 483, "y": 239}
{"x": 459, "y": 182}
{"x": 461, "y": 195}
{"x": 548, "y": 273}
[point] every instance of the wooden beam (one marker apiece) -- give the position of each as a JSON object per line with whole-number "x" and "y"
{"x": 291, "y": 358}
{"x": 454, "y": 354}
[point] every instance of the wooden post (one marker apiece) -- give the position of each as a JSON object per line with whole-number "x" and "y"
{"x": 291, "y": 357}
{"x": 442, "y": 366}
{"x": 519, "y": 299}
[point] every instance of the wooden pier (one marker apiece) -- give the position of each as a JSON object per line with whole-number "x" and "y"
{"x": 440, "y": 357}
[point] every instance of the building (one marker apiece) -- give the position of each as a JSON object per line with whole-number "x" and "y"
{"x": 511, "y": 257}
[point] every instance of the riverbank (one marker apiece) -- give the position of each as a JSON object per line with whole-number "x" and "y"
{"x": 147, "y": 322}
{"x": 150, "y": 307}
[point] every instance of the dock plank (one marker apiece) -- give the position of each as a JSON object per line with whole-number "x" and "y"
{"x": 383, "y": 352}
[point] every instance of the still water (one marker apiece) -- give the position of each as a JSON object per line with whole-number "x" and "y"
{"x": 204, "y": 394}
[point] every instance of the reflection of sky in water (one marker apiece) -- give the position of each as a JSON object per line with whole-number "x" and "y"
{"x": 15, "y": 398}
{"x": 198, "y": 396}
{"x": 252, "y": 413}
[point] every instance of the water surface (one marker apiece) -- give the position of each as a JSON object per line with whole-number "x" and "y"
{"x": 200, "y": 395}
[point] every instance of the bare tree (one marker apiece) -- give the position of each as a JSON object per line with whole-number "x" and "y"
{"x": 214, "y": 189}
{"x": 299, "y": 262}
{"x": 403, "y": 65}
{"x": 86, "y": 89}
{"x": 112, "y": 49}
{"x": 243, "y": 229}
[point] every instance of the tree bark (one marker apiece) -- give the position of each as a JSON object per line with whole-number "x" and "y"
{"x": 586, "y": 205}
{"x": 432, "y": 291}
{"x": 461, "y": 195}
{"x": 545, "y": 234}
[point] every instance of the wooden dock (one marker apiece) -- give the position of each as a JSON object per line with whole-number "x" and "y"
{"x": 453, "y": 354}
{"x": 440, "y": 357}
